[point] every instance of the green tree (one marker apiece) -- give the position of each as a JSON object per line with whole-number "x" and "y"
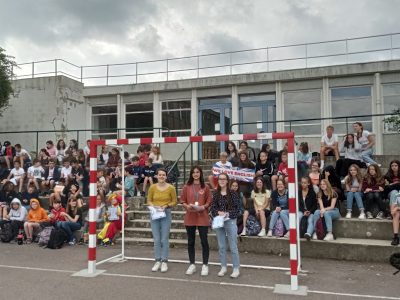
{"x": 393, "y": 122}
{"x": 6, "y": 73}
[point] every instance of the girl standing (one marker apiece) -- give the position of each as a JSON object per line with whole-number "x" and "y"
{"x": 196, "y": 199}
{"x": 353, "y": 183}
{"x": 280, "y": 207}
{"x": 161, "y": 196}
{"x": 307, "y": 205}
{"x": 373, "y": 186}
{"x": 226, "y": 203}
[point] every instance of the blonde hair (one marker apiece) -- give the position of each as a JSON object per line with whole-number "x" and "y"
{"x": 349, "y": 178}
{"x": 330, "y": 192}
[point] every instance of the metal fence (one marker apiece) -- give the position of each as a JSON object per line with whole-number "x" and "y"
{"x": 284, "y": 57}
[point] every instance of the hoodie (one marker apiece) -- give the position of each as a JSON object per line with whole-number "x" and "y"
{"x": 17, "y": 214}
{"x": 37, "y": 215}
{"x": 57, "y": 215}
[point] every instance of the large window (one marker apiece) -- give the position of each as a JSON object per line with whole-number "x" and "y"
{"x": 104, "y": 119}
{"x": 176, "y": 117}
{"x": 139, "y": 120}
{"x": 300, "y": 105}
{"x": 351, "y": 102}
{"x": 391, "y": 99}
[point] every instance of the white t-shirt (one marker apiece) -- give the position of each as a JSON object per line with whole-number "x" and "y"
{"x": 22, "y": 152}
{"x": 86, "y": 150}
{"x": 36, "y": 172}
{"x": 66, "y": 171}
{"x": 363, "y": 139}
{"x": 17, "y": 173}
{"x": 227, "y": 165}
{"x": 329, "y": 141}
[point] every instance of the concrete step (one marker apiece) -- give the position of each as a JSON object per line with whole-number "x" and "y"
{"x": 141, "y": 223}
{"x": 177, "y": 234}
{"x": 144, "y": 215}
{"x": 363, "y": 229}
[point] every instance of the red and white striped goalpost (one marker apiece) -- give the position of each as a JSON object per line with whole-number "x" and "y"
{"x": 295, "y": 259}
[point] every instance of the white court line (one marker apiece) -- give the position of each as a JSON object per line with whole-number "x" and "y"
{"x": 234, "y": 284}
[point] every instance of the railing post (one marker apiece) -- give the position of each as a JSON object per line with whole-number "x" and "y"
{"x": 198, "y": 66}
{"x": 33, "y": 69}
{"x": 290, "y": 126}
{"x": 77, "y": 137}
{"x": 230, "y": 62}
{"x": 267, "y": 59}
{"x": 306, "y": 55}
{"x": 81, "y": 74}
{"x": 191, "y": 155}
{"x": 37, "y": 143}
{"x": 167, "y": 68}
{"x": 55, "y": 66}
{"x": 391, "y": 46}
{"x": 136, "y": 72}
{"x": 347, "y": 125}
{"x": 347, "y": 51}
{"x": 108, "y": 68}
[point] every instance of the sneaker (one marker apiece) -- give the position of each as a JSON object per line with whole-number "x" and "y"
{"x": 191, "y": 269}
{"x": 72, "y": 243}
{"x": 348, "y": 215}
{"x": 287, "y": 234}
{"x": 328, "y": 237}
{"x": 243, "y": 231}
{"x": 361, "y": 216}
{"x": 379, "y": 165}
{"x": 164, "y": 267}
{"x": 395, "y": 241}
{"x": 262, "y": 232}
{"x": 314, "y": 236}
{"x": 307, "y": 236}
{"x": 222, "y": 272}
{"x": 269, "y": 234}
{"x": 380, "y": 215}
{"x": 204, "y": 270}
{"x": 156, "y": 266}
{"x": 369, "y": 215}
{"x": 235, "y": 273}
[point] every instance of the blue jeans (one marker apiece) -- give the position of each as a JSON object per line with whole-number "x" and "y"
{"x": 366, "y": 156}
{"x": 329, "y": 215}
{"x": 392, "y": 196}
{"x": 283, "y": 214}
{"x": 350, "y": 196}
{"x": 160, "y": 229}
{"x": 228, "y": 231}
{"x": 310, "y": 223}
{"x": 69, "y": 228}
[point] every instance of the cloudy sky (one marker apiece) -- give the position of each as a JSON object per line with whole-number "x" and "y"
{"x": 103, "y": 31}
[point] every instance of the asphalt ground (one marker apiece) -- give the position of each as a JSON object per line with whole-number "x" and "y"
{"x": 30, "y": 272}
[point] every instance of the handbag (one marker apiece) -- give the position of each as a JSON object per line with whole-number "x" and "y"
{"x": 218, "y": 222}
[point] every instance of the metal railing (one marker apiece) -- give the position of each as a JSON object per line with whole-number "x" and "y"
{"x": 283, "y": 57}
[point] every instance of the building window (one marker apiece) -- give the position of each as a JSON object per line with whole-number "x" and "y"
{"x": 351, "y": 102}
{"x": 300, "y": 105}
{"x": 391, "y": 100}
{"x": 139, "y": 120}
{"x": 104, "y": 122}
{"x": 176, "y": 117}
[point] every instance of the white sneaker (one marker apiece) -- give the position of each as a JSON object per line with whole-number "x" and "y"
{"x": 348, "y": 215}
{"x": 262, "y": 232}
{"x": 328, "y": 237}
{"x": 243, "y": 231}
{"x": 380, "y": 215}
{"x": 314, "y": 236}
{"x": 362, "y": 216}
{"x": 204, "y": 270}
{"x": 139, "y": 194}
{"x": 369, "y": 215}
{"x": 164, "y": 267}
{"x": 235, "y": 273}
{"x": 156, "y": 266}
{"x": 222, "y": 272}
{"x": 269, "y": 234}
{"x": 287, "y": 234}
{"x": 191, "y": 269}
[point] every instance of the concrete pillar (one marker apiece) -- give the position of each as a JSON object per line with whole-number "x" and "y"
{"x": 194, "y": 117}
{"x": 235, "y": 110}
{"x": 326, "y": 105}
{"x": 88, "y": 118}
{"x": 120, "y": 116}
{"x": 280, "y": 115}
{"x": 377, "y": 108}
{"x": 156, "y": 114}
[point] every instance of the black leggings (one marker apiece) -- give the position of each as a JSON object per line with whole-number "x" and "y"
{"x": 374, "y": 197}
{"x": 191, "y": 233}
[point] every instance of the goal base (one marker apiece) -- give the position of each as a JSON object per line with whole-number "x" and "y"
{"x": 85, "y": 273}
{"x": 286, "y": 290}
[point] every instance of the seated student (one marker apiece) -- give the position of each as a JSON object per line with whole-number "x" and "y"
{"x": 279, "y": 207}
{"x": 35, "y": 174}
{"x": 17, "y": 176}
{"x": 262, "y": 199}
{"x": 233, "y": 154}
{"x": 329, "y": 145}
{"x": 66, "y": 171}
{"x": 315, "y": 176}
{"x": 102, "y": 186}
{"x": 44, "y": 157}
{"x": 353, "y": 182}
{"x": 58, "y": 193}
{"x": 51, "y": 149}
{"x": 272, "y": 154}
{"x": 373, "y": 187}
{"x": 367, "y": 141}
{"x": 129, "y": 185}
{"x": 142, "y": 156}
{"x": 392, "y": 181}
{"x": 327, "y": 200}
{"x": 99, "y": 216}
{"x": 223, "y": 164}
{"x": 7, "y": 194}
{"x": 17, "y": 215}
{"x": 56, "y": 212}
{"x": 148, "y": 175}
{"x": 234, "y": 186}
{"x": 265, "y": 169}
{"x": 7, "y": 154}
{"x": 114, "y": 159}
{"x": 21, "y": 155}
{"x": 352, "y": 155}
{"x": 156, "y": 156}
{"x": 76, "y": 175}
{"x": 75, "y": 193}
{"x": 73, "y": 220}
{"x": 114, "y": 217}
{"x": 329, "y": 173}
{"x": 303, "y": 159}
{"x": 282, "y": 173}
{"x": 245, "y": 163}
{"x": 51, "y": 176}
{"x": 307, "y": 205}
{"x": 136, "y": 171}
{"x": 244, "y": 147}
{"x": 104, "y": 155}
{"x": 28, "y": 195}
{"x": 36, "y": 216}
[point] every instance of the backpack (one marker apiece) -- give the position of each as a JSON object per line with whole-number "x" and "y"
{"x": 7, "y": 233}
{"x": 57, "y": 238}
{"x": 172, "y": 172}
{"x": 320, "y": 228}
{"x": 44, "y": 235}
{"x": 279, "y": 228}
{"x": 253, "y": 226}
{"x": 303, "y": 226}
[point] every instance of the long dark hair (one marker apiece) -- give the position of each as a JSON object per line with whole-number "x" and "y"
{"x": 256, "y": 190}
{"x": 333, "y": 179}
{"x": 228, "y": 190}
{"x": 191, "y": 179}
{"x": 310, "y": 186}
{"x": 234, "y": 148}
{"x": 346, "y": 141}
{"x": 390, "y": 174}
{"x": 59, "y": 144}
{"x": 246, "y": 163}
{"x": 362, "y": 129}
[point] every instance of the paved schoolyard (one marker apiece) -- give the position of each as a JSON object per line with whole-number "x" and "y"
{"x": 29, "y": 272}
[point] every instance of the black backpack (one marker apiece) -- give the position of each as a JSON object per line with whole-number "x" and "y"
{"x": 253, "y": 226}
{"x": 57, "y": 238}
{"x": 303, "y": 226}
{"x": 8, "y": 232}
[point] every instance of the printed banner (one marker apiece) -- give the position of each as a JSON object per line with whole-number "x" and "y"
{"x": 245, "y": 175}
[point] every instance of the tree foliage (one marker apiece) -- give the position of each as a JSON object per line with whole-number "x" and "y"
{"x": 393, "y": 122}
{"x": 6, "y": 73}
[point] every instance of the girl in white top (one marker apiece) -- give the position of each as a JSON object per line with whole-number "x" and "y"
{"x": 367, "y": 141}
{"x": 156, "y": 156}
